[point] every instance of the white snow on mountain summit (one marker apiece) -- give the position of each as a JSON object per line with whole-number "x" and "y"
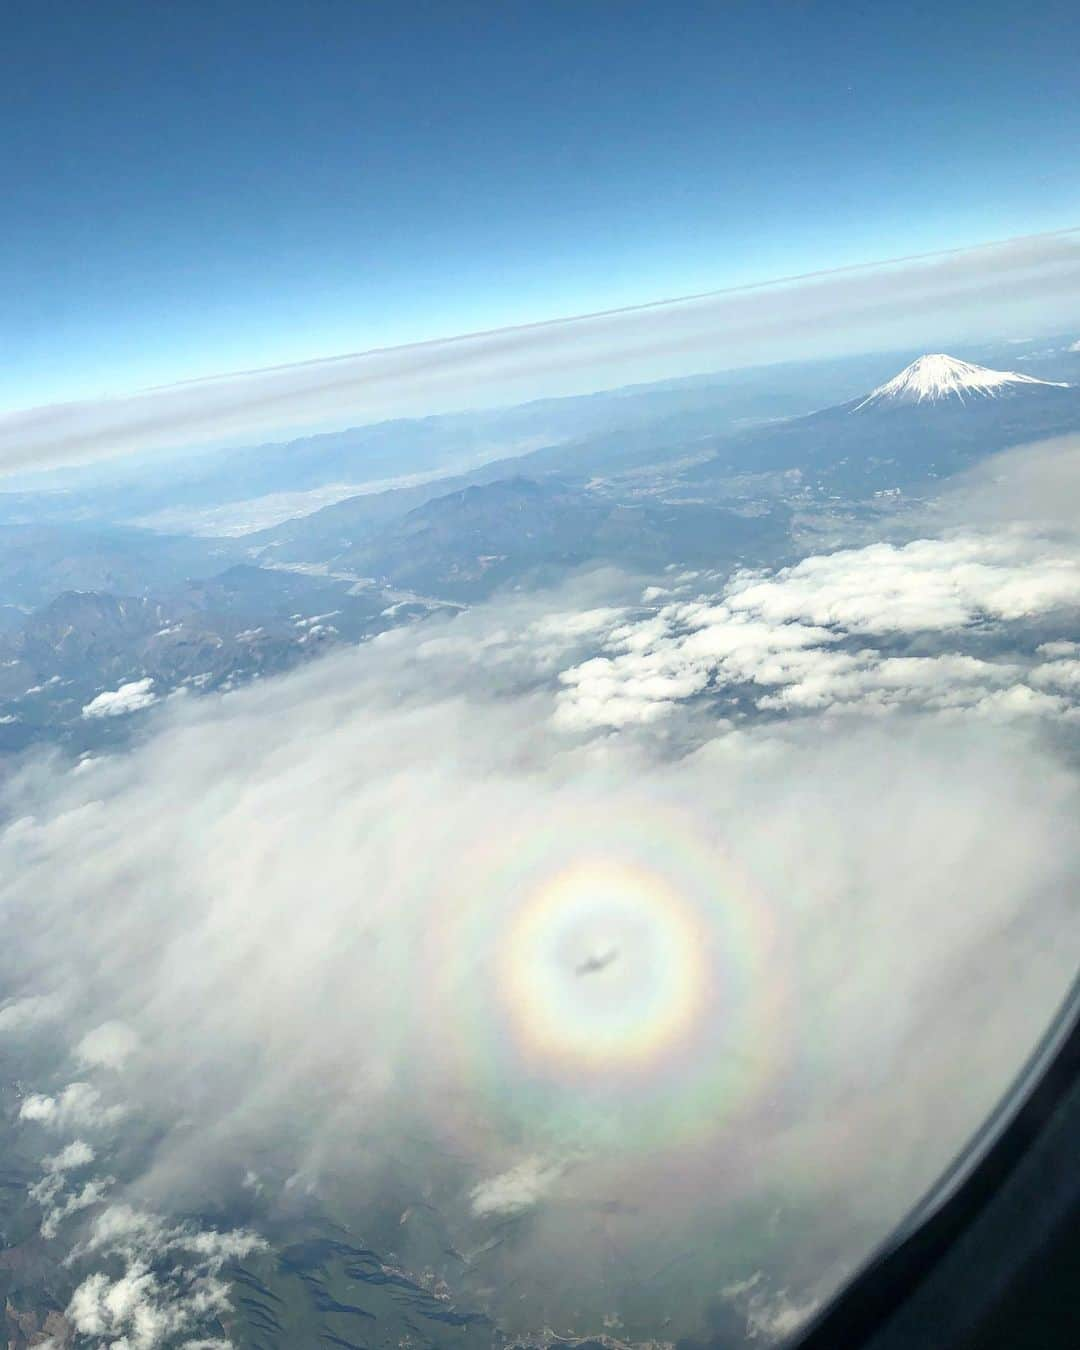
{"x": 936, "y": 377}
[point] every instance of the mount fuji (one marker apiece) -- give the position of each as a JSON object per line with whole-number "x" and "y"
{"x": 934, "y": 418}
{"x": 931, "y": 379}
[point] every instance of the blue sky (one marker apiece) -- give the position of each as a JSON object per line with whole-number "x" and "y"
{"x": 197, "y": 187}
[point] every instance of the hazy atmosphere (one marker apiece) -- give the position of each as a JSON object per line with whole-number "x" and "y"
{"x": 538, "y": 744}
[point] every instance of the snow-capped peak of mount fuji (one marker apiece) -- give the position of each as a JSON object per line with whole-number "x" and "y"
{"x": 933, "y": 378}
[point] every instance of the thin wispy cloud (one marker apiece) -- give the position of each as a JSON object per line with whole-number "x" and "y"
{"x": 1030, "y": 279}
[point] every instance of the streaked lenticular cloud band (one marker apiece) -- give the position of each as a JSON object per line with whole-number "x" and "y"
{"x": 883, "y": 304}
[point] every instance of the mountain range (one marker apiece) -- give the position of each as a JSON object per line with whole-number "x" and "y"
{"x": 934, "y": 418}
{"x": 90, "y": 606}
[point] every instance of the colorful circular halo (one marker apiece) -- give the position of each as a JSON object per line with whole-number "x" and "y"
{"x": 606, "y": 978}
{"x": 603, "y": 969}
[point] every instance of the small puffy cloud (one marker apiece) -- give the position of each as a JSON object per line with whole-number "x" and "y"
{"x": 1020, "y": 700}
{"x": 138, "y": 1235}
{"x": 92, "y": 1193}
{"x": 107, "y": 1046}
{"x": 170, "y": 1285}
{"x": 515, "y": 1190}
{"x": 48, "y": 1192}
{"x": 57, "y": 1203}
{"x": 77, "y": 1154}
{"x": 140, "y": 1311}
{"x": 78, "y": 1105}
{"x": 128, "y": 698}
{"x": 40, "y": 688}
{"x": 1062, "y": 674}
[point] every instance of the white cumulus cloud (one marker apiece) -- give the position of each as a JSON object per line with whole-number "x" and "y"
{"x": 130, "y": 697}
{"x": 517, "y": 1189}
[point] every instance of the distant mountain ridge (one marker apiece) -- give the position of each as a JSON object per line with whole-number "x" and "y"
{"x": 207, "y": 633}
{"x": 469, "y": 542}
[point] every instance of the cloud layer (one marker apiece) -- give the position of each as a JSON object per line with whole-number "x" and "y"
{"x": 797, "y": 849}
{"x": 814, "y": 635}
{"x": 274, "y": 897}
{"x": 1034, "y": 280}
